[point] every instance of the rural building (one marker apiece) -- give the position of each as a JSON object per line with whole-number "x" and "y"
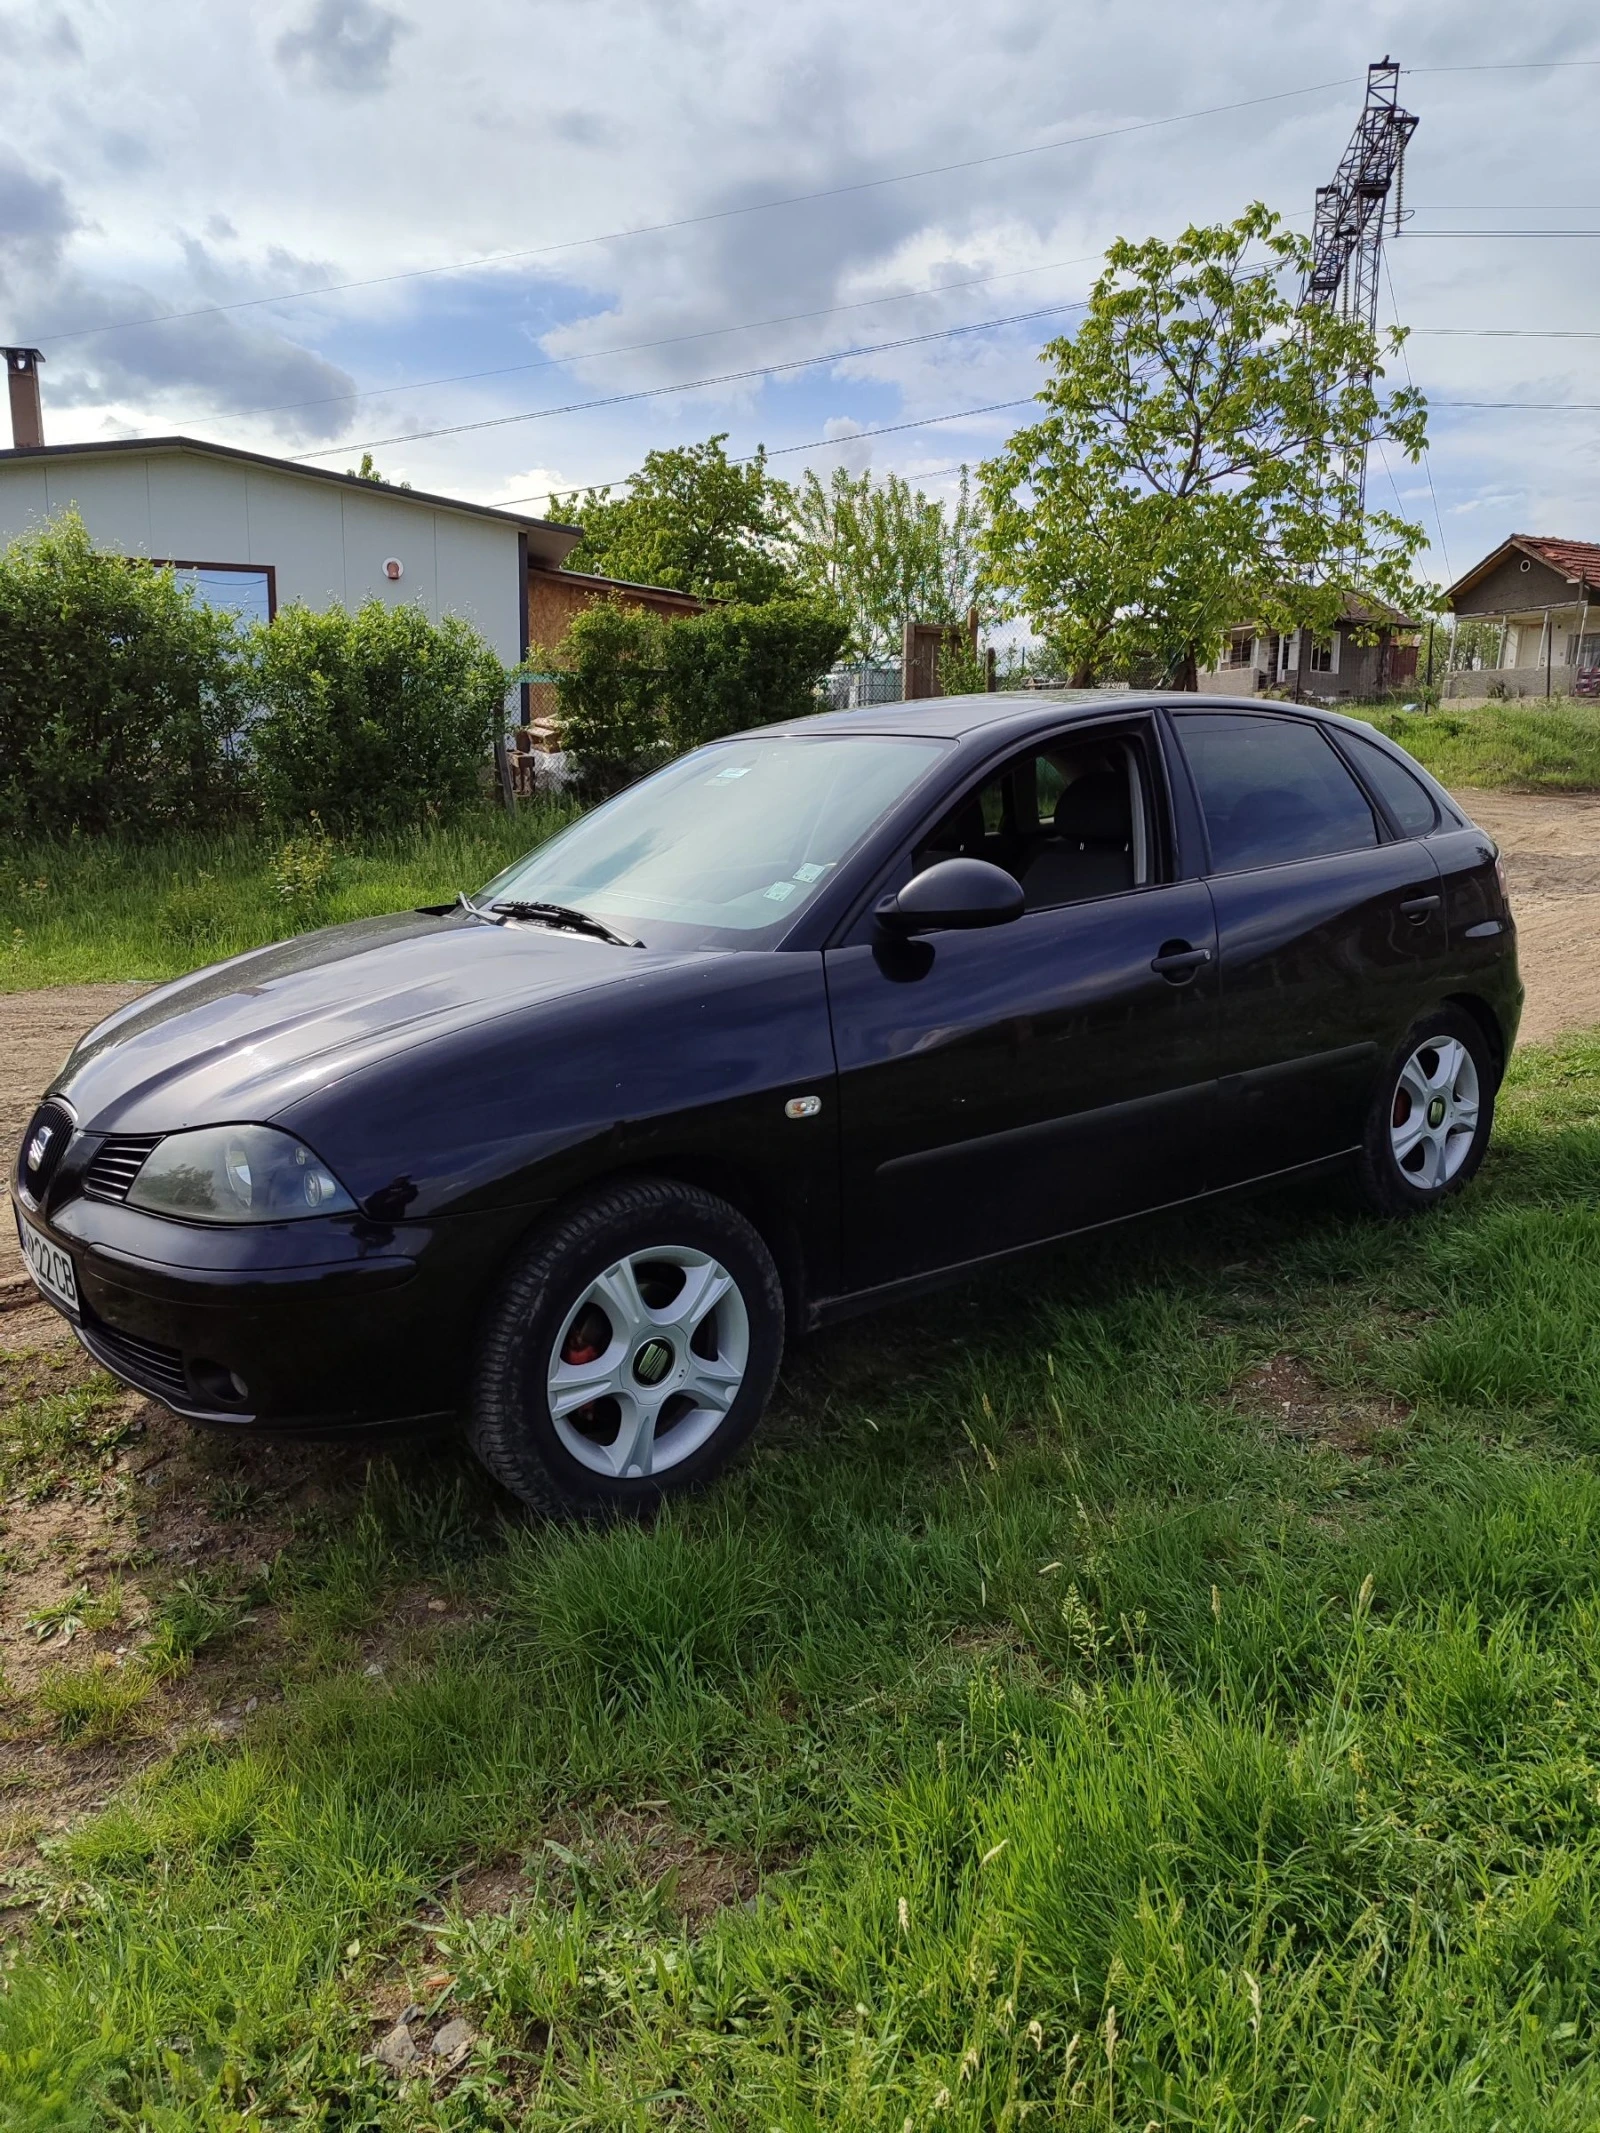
{"x": 1372, "y": 648}
{"x": 253, "y": 533}
{"x": 1540, "y": 599}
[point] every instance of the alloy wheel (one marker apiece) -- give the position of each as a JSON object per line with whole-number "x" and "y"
{"x": 648, "y": 1361}
{"x": 1434, "y": 1117}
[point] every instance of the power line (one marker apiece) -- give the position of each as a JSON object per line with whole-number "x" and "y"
{"x": 1411, "y": 233}
{"x": 816, "y": 444}
{"x": 683, "y": 222}
{"x": 1507, "y": 333}
{"x": 673, "y": 340}
{"x": 726, "y": 377}
{"x": 1506, "y": 66}
{"x": 1573, "y": 407}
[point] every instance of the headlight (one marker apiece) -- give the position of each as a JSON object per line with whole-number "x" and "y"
{"x": 237, "y": 1174}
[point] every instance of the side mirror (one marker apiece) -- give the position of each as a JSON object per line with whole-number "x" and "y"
{"x": 955, "y": 893}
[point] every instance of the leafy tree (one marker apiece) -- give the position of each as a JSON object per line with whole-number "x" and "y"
{"x": 119, "y": 702}
{"x": 691, "y": 519}
{"x": 635, "y": 689}
{"x": 368, "y": 471}
{"x": 885, "y": 554}
{"x": 1194, "y": 465}
{"x": 372, "y": 719}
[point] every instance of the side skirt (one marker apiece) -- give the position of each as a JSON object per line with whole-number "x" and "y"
{"x": 830, "y": 1310}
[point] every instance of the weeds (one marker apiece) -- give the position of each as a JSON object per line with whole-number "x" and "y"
{"x": 95, "y": 1702}
{"x": 114, "y": 910}
{"x": 1526, "y": 747}
{"x": 62, "y": 1620}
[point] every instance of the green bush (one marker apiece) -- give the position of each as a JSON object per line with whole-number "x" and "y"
{"x": 119, "y": 699}
{"x": 635, "y": 689}
{"x": 610, "y": 675}
{"x": 371, "y": 720}
{"x": 742, "y": 665}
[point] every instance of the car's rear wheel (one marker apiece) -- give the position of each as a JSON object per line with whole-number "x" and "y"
{"x": 1431, "y": 1115}
{"x": 630, "y": 1350}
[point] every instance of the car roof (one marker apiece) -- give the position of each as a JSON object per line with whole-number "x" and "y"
{"x": 955, "y": 718}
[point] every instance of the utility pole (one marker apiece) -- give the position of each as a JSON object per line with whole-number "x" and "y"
{"x": 1352, "y": 212}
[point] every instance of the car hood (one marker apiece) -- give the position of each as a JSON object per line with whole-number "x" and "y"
{"x": 247, "y": 1038}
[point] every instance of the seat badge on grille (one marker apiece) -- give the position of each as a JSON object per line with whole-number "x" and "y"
{"x": 38, "y": 1145}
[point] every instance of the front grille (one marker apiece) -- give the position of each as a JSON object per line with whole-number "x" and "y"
{"x": 117, "y": 1162}
{"x": 43, "y": 1146}
{"x": 150, "y": 1365}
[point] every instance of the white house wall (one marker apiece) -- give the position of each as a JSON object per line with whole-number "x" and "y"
{"x": 327, "y": 542}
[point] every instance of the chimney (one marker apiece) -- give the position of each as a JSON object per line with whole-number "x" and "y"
{"x": 27, "y": 417}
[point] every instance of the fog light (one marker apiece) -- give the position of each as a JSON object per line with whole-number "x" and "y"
{"x": 215, "y": 1381}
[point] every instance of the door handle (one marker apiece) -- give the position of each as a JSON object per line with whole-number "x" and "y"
{"x": 1417, "y": 908}
{"x": 1178, "y": 962}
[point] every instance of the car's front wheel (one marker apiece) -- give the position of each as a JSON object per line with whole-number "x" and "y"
{"x": 630, "y": 1350}
{"x": 1431, "y": 1115}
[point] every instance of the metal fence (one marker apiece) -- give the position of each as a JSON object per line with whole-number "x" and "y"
{"x": 848, "y": 688}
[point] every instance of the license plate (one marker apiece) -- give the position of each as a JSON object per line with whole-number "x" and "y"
{"x": 50, "y": 1266}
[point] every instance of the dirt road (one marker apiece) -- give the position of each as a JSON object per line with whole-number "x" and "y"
{"x": 1551, "y": 844}
{"x": 1551, "y": 847}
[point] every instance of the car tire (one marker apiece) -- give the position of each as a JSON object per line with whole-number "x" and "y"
{"x": 1431, "y": 1115}
{"x": 630, "y": 1350}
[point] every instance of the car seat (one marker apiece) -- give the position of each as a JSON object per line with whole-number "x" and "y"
{"x": 1090, "y": 849}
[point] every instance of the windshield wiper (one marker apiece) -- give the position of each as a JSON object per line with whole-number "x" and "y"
{"x": 568, "y": 920}
{"x": 463, "y": 902}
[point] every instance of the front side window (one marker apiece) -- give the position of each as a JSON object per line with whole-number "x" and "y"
{"x": 726, "y": 846}
{"x": 1272, "y": 790}
{"x": 1067, "y": 818}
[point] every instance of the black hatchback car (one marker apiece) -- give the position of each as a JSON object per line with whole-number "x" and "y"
{"x": 806, "y": 1020}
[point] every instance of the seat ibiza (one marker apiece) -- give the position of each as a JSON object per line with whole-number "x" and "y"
{"x": 807, "y": 1020}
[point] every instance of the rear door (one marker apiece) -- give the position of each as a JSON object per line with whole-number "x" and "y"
{"x": 1004, "y": 1086}
{"x": 1330, "y": 928}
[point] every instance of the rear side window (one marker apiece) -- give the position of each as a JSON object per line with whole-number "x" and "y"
{"x": 1404, "y": 794}
{"x": 1273, "y": 789}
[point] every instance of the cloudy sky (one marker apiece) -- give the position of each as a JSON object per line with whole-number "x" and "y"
{"x": 310, "y": 225}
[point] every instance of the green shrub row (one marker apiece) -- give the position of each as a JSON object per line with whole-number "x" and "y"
{"x": 635, "y": 689}
{"x": 129, "y": 707}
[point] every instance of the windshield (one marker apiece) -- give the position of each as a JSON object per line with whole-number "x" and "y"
{"x": 724, "y": 847}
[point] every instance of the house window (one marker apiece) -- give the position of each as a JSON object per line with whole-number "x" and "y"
{"x": 1241, "y": 651}
{"x": 1321, "y": 661}
{"x": 247, "y": 591}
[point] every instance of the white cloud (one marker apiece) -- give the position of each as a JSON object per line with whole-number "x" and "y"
{"x": 343, "y": 45}
{"x": 520, "y": 124}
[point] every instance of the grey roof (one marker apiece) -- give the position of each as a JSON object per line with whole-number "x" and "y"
{"x": 546, "y": 539}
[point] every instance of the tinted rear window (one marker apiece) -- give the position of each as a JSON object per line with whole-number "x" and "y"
{"x": 1403, "y": 793}
{"x": 1273, "y": 789}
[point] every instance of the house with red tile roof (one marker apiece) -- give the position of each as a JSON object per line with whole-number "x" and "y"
{"x": 1541, "y": 595}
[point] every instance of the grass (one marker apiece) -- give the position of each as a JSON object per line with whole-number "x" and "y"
{"x": 1158, "y": 1689}
{"x": 76, "y": 911}
{"x": 1529, "y": 747}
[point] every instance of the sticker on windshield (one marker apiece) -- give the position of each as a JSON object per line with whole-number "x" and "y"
{"x": 734, "y": 770}
{"x": 781, "y": 891}
{"x": 810, "y": 871}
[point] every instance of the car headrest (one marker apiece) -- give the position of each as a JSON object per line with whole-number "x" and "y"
{"x": 1095, "y": 810}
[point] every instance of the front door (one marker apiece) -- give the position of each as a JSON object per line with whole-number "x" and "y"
{"x": 1330, "y": 926}
{"x": 1001, "y": 1087}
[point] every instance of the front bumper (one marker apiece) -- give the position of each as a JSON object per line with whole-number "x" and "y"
{"x": 316, "y": 1327}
